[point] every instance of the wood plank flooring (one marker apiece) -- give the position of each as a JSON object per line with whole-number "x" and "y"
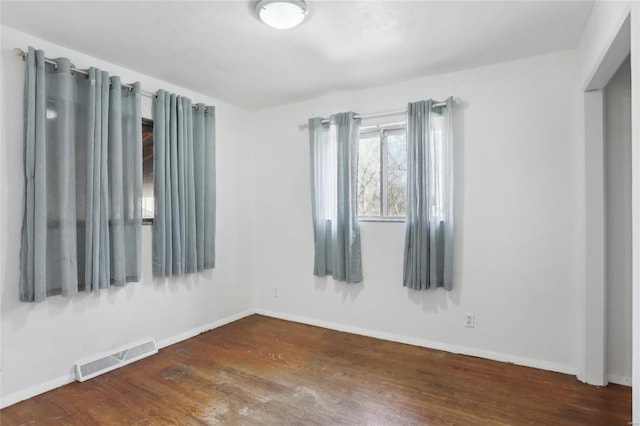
{"x": 264, "y": 371}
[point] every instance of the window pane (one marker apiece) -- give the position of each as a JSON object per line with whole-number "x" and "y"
{"x": 369, "y": 176}
{"x": 147, "y": 170}
{"x": 438, "y": 171}
{"x": 396, "y": 174}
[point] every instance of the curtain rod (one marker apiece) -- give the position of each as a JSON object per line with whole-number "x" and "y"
{"x": 369, "y": 116}
{"x": 23, "y": 54}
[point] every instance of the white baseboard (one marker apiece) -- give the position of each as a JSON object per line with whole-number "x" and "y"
{"x": 456, "y": 349}
{"x": 619, "y": 380}
{"x": 37, "y": 389}
{"x": 64, "y": 380}
{"x": 202, "y": 329}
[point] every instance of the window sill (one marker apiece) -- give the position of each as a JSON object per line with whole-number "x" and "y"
{"x": 147, "y": 221}
{"x": 380, "y": 219}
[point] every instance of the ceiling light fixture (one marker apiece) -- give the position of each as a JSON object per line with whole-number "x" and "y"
{"x": 282, "y": 14}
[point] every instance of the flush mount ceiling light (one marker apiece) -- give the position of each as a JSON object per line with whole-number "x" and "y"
{"x": 282, "y": 14}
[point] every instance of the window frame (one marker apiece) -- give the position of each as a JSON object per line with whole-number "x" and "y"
{"x": 382, "y": 131}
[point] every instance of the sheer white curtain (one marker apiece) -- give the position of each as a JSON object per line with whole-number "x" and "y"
{"x": 334, "y": 176}
{"x": 428, "y": 253}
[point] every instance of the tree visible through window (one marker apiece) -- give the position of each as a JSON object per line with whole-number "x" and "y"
{"x": 382, "y": 172}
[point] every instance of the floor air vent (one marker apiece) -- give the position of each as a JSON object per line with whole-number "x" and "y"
{"x": 95, "y": 367}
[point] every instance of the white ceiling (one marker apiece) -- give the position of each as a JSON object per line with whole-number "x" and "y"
{"x": 221, "y": 49}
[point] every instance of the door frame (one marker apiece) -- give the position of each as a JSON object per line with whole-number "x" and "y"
{"x": 594, "y": 363}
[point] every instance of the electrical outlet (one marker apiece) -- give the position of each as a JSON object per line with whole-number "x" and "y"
{"x": 275, "y": 292}
{"x": 470, "y": 320}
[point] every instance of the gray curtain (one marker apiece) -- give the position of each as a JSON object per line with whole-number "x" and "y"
{"x": 334, "y": 179}
{"x": 83, "y": 181}
{"x": 184, "y": 166}
{"x": 428, "y": 251}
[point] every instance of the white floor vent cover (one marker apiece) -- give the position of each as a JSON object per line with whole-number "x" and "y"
{"x": 95, "y": 367}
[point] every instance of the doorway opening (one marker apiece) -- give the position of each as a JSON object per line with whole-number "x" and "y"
{"x": 618, "y": 226}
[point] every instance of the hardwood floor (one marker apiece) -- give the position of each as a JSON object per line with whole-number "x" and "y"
{"x": 261, "y": 370}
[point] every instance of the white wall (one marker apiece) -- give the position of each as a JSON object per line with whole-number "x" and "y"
{"x": 41, "y": 342}
{"x": 516, "y": 183}
{"x": 617, "y": 101}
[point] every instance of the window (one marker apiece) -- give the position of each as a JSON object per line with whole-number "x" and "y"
{"x": 382, "y": 173}
{"x": 148, "y": 202}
